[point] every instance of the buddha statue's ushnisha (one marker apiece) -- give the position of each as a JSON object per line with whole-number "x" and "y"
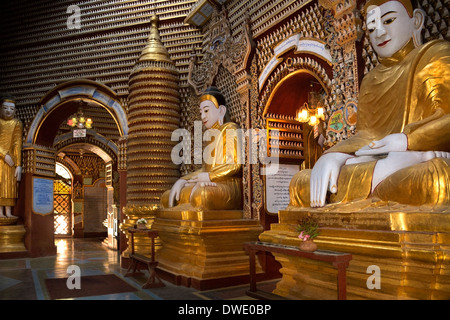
{"x": 10, "y": 156}
{"x": 218, "y": 184}
{"x": 401, "y": 149}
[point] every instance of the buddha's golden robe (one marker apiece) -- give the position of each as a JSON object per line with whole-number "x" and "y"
{"x": 225, "y": 170}
{"x": 10, "y": 143}
{"x": 407, "y": 93}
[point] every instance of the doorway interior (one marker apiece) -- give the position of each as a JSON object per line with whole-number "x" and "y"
{"x": 62, "y": 201}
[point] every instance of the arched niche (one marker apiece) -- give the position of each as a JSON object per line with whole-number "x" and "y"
{"x": 104, "y": 155}
{"x": 93, "y": 142}
{"x": 299, "y": 143}
{"x": 292, "y": 91}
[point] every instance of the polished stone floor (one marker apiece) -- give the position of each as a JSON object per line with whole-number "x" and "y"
{"x": 24, "y": 279}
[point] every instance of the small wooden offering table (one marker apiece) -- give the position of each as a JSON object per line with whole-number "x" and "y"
{"x": 153, "y": 280}
{"x": 339, "y": 260}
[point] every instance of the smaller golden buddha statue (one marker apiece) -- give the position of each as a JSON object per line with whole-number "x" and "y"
{"x": 218, "y": 184}
{"x": 10, "y": 156}
{"x": 401, "y": 149}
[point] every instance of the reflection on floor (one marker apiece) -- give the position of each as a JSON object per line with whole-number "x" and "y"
{"x": 25, "y": 279}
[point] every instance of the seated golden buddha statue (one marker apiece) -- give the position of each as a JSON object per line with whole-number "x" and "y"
{"x": 218, "y": 184}
{"x": 401, "y": 149}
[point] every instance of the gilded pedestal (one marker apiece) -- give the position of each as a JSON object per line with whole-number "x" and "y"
{"x": 142, "y": 243}
{"x": 410, "y": 245}
{"x": 204, "y": 249}
{"x": 12, "y": 239}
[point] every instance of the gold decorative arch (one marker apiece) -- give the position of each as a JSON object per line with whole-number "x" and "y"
{"x": 290, "y": 68}
{"x": 84, "y": 89}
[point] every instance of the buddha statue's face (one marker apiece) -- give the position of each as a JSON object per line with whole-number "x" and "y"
{"x": 390, "y": 27}
{"x": 8, "y": 110}
{"x": 210, "y": 114}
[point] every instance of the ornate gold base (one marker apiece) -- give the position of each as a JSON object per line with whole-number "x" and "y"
{"x": 410, "y": 248}
{"x": 204, "y": 245}
{"x": 7, "y": 221}
{"x": 142, "y": 243}
{"x": 12, "y": 239}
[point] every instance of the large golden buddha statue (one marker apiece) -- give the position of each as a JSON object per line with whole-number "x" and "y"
{"x": 218, "y": 184}
{"x": 401, "y": 149}
{"x": 10, "y": 156}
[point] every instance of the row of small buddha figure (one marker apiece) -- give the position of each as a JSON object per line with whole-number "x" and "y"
{"x": 400, "y": 151}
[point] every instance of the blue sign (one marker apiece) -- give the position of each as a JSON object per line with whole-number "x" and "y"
{"x": 42, "y": 196}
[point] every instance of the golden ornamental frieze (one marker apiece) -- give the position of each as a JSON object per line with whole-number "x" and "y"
{"x": 147, "y": 130}
{"x": 144, "y": 177}
{"x": 159, "y": 184}
{"x": 140, "y": 149}
{"x": 143, "y": 128}
{"x": 161, "y": 111}
{"x": 152, "y": 67}
{"x": 162, "y": 151}
{"x": 221, "y": 48}
{"x": 155, "y": 98}
{"x": 141, "y": 106}
{"x": 153, "y": 85}
{"x": 166, "y": 90}
{"x": 158, "y": 77}
{"x": 150, "y": 166}
{"x": 150, "y": 134}
{"x": 158, "y": 181}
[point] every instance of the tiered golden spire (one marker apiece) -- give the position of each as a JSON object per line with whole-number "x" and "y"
{"x": 153, "y": 115}
{"x": 155, "y": 50}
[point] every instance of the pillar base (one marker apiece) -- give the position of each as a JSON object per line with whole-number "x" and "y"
{"x": 204, "y": 249}
{"x": 410, "y": 246}
{"x": 12, "y": 241}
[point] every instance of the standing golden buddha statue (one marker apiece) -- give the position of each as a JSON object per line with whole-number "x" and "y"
{"x": 218, "y": 184}
{"x": 10, "y": 156}
{"x": 401, "y": 149}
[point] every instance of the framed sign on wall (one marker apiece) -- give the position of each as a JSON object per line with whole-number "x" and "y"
{"x": 277, "y": 188}
{"x": 42, "y": 196}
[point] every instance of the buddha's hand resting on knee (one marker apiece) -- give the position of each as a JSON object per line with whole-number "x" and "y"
{"x": 324, "y": 176}
{"x": 175, "y": 191}
{"x": 201, "y": 180}
{"x": 201, "y": 177}
{"x": 201, "y": 184}
{"x": 395, "y": 142}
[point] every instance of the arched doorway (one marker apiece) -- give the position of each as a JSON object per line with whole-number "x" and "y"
{"x": 92, "y": 159}
{"x": 95, "y": 188}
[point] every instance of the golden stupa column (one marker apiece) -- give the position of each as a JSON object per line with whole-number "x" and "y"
{"x": 153, "y": 115}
